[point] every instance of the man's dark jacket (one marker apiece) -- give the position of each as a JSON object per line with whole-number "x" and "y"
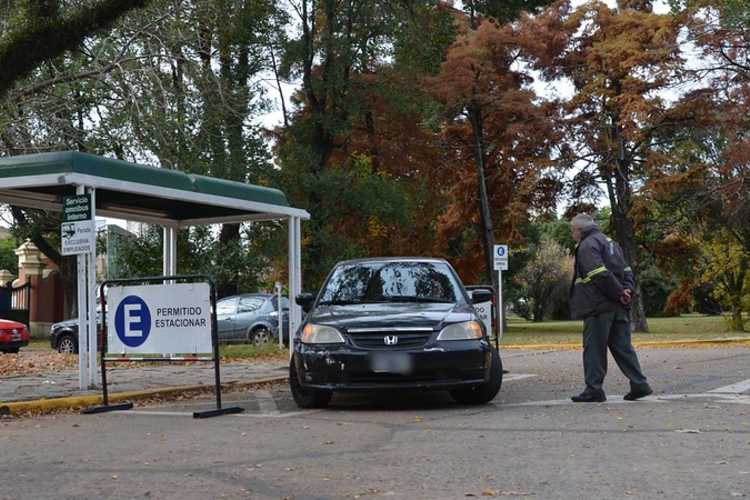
{"x": 601, "y": 275}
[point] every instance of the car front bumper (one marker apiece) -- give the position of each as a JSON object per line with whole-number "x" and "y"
{"x": 441, "y": 366}
{"x": 13, "y": 344}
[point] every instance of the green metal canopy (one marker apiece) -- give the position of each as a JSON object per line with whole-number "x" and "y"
{"x": 137, "y": 192}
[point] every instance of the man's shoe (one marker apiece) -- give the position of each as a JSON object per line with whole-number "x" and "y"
{"x": 590, "y": 397}
{"x": 638, "y": 393}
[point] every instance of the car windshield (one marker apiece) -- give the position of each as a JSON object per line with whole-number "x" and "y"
{"x": 369, "y": 282}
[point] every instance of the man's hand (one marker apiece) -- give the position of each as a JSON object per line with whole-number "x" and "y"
{"x": 626, "y": 297}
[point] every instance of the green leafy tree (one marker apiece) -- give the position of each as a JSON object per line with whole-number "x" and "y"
{"x": 8, "y": 259}
{"x": 546, "y": 279}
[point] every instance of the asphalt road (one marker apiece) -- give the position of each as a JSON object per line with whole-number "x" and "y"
{"x": 691, "y": 440}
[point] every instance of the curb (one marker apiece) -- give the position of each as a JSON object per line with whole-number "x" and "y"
{"x": 644, "y": 344}
{"x": 42, "y": 406}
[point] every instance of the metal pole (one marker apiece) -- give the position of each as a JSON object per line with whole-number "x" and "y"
{"x": 280, "y": 315}
{"x": 102, "y": 300}
{"x": 499, "y": 308}
{"x": 166, "y": 252}
{"x": 81, "y": 308}
{"x": 172, "y": 252}
{"x": 298, "y": 267}
{"x": 215, "y": 344}
{"x": 91, "y": 296}
{"x": 292, "y": 282}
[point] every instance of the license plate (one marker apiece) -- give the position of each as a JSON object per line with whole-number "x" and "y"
{"x": 15, "y": 336}
{"x": 391, "y": 362}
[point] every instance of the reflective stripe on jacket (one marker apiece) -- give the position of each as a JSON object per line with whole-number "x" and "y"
{"x": 601, "y": 275}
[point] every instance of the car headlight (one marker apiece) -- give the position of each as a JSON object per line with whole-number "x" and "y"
{"x": 469, "y": 330}
{"x": 321, "y": 334}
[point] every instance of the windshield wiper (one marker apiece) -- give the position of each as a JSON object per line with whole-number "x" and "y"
{"x": 411, "y": 298}
{"x": 340, "y": 302}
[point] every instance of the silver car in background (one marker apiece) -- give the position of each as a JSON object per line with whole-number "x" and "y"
{"x": 252, "y": 318}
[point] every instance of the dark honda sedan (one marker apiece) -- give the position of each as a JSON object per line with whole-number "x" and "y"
{"x": 393, "y": 323}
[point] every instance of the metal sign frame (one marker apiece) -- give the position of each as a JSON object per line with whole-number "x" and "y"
{"x": 106, "y": 407}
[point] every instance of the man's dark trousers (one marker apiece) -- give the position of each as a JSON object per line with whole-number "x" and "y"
{"x": 609, "y": 329}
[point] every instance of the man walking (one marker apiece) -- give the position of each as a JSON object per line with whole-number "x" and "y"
{"x": 601, "y": 294}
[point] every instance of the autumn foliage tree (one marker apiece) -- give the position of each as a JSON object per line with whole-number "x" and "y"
{"x": 619, "y": 61}
{"x": 500, "y": 139}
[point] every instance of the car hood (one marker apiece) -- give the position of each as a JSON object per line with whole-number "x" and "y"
{"x": 6, "y": 323}
{"x": 68, "y": 323}
{"x": 391, "y": 315}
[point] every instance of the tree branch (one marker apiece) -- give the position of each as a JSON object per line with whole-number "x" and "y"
{"x": 23, "y": 51}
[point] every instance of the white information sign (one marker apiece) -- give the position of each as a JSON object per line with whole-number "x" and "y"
{"x": 500, "y": 253}
{"x": 78, "y": 237}
{"x": 159, "y": 319}
{"x": 484, "y": 310}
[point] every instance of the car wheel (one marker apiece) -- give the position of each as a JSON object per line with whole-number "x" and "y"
{"x": 261, "y": 336}
{"x": 67, "y": 345}
{"x": 306, "y": 397}
{"x": 11, "y": 350}
{"x": 482, "y": 393}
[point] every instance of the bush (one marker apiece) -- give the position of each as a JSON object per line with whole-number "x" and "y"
{"x": 655, "y": 289}
{"x": 546, "y": 279}
{"x": 680, "y": 300}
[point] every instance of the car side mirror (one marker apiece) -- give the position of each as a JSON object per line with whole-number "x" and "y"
{"x": 305, "y": 300}
{"x": 479, "y": 296}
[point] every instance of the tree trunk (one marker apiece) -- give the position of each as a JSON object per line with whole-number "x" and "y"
{"x": 738, "y": 324}
{"x": 229, "y": 239}
{"x": 69, "y": 276}
{"x": 617, "y": 177}
{"x": 538, "y": 312}
{"x": 738, "y": 292}
{"x": 488, "y": 237}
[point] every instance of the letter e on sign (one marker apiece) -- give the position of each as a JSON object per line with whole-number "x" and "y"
{"x": 133, "y": 321}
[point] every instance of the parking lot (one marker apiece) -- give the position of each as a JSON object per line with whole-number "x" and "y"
{"x": 690, "y": 440}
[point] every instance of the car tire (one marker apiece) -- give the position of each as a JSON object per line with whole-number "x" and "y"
{"x": 261, "y": 336}
{"x": 67, "y": 344}
{"x": 482, "y": 393}
{"x": 306, "y": 397}
{"x": 11, "y": 350}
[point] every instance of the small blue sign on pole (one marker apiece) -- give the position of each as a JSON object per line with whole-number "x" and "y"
{"x": 501, "y": 257}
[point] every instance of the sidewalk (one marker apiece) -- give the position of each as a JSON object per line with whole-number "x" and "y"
{"x": 156, "y": 376}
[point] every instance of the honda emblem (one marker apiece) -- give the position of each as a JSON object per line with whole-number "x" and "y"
{"x": 390, "y": 340}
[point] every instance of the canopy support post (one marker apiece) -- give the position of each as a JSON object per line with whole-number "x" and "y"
{"x": 294, "y": 281}
{"x": 83, "y": 351}
{"x": 91, "y": 300}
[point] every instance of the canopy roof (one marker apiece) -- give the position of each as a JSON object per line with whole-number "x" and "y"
{"x": 137, "y": 192}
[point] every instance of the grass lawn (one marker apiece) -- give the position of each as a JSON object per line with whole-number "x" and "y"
{"x": 270, "y": 352}
{"x": 39, "y": 343}
{"x": 686, "y": 327}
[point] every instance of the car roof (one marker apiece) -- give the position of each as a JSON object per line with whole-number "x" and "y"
{"x": 392, "y": 259}
{"x": 245, "y": 295}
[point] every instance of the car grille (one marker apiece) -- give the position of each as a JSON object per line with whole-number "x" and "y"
{"x": 369, "y": 339}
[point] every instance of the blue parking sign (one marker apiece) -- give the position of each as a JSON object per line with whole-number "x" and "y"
{"x": 133, "y": 321}
{"x": 501, "y": 257}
